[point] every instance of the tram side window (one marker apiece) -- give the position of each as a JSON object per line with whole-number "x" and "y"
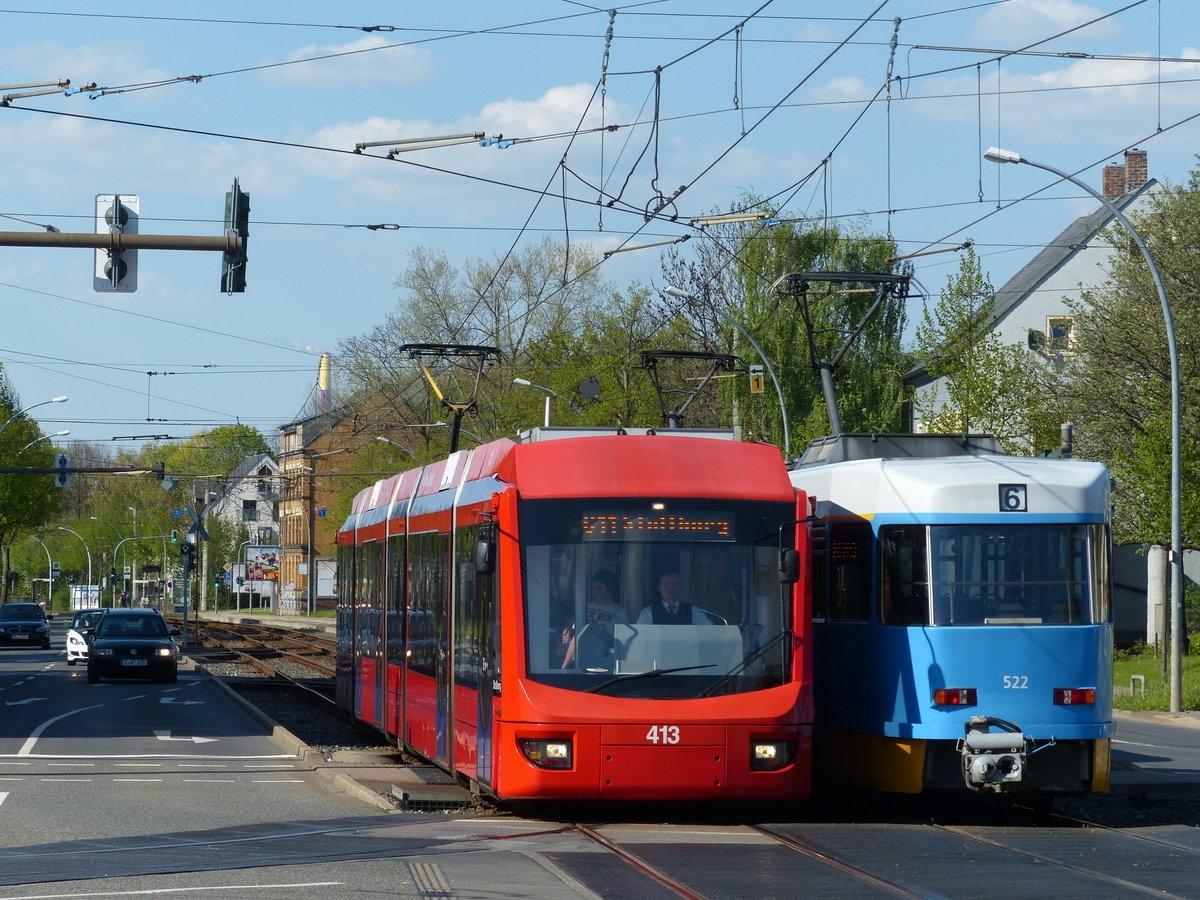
{"x": 427, "y": 599}
{"x": 850, "y": 572}
{"x": 369, "y": 601}
{"x": 395, "y": 600}
{"x": 903, "y": 577}
{"x": 345, "y": 601}
{"x": 820, "y": 570}
{"x": 468, "y": 650}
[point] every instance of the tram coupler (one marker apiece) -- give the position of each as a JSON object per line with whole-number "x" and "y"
{"x": 993, "y": 761}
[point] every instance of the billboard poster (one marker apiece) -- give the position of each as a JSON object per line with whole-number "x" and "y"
{"x": 326, "y": 578}
{"x": 262, "y": 564}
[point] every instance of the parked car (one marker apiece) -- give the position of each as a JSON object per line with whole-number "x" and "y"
{"x": 133, "y": 643}
{"x": 23, "y": 624}
{"x": 77, "y": 639}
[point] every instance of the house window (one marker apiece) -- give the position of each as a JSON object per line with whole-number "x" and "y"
{"x": 1060, "y": 335}
{"x": 250, "y": 510}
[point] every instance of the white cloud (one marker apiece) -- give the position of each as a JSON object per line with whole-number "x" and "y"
{"x": 1020, "y": 21}
{"x": 369, "y": 61}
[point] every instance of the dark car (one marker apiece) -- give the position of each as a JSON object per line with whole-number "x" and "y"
{"x": 133, "y": 643}
{"x": 23, "y": 624}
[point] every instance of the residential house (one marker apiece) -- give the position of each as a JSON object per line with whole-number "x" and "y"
{"x": 311, "y": 453}
{"x": 247, "y": 497}
{"x": 1031, "y": 308}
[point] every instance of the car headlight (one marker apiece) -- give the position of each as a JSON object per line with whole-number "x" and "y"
{"x": 74, "y": 640}
{"x": 165, "y": 651}
{"x": 104, "y": 651}
{"x": 41, "y": 628}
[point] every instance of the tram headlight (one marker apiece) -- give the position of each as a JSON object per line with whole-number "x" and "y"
{"x": 547, "y": 754}
{"x": 771, "y": 756}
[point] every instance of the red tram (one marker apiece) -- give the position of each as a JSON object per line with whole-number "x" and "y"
{"x": 495, "y": 617}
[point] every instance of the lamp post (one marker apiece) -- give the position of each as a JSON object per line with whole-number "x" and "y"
{"x": 550, "y": 395}
{"x": 87, "y": 550}
{"x": 44, "y": 437}
{"x": 113, "y": 584}
{"x": 384, "y": 440}
{"x": 49, "y": 573}
{"x": 133, "y": 569}
{"x": 22, "y": 412}
{"x": 997, "y": 155}
{"x": 681, "y": 294}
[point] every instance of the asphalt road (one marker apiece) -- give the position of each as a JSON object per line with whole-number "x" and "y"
{"x": 139, "y": 788}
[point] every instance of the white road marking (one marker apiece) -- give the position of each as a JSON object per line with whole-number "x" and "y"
{"x": 27, "y": 748}
{"x": 152, "y": 765}
{"x": 66, "y": 779}
{"x": 277, "y": 781}
{"x": 70, "y": 765}
{"x": 3, "y": 796}
{"x": 24, "y": 702}
{"x": 180, "y": 890}
{"x": 271, "y": 766}
{"x": 166, "y": 736}
{"x": 208, "y": 780}
{"x": 138, "y": 779}
{"x": 181, "y": 702}
{"x": 137, "y": 697}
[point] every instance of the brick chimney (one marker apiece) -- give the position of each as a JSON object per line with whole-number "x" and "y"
{"x": 1137, "y": 169}
{"x": 1119, "y": 180}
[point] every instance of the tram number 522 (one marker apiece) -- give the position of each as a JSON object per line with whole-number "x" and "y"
{"x": 663, "y": 734}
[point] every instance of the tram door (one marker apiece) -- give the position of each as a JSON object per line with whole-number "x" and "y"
{"x": 473, "y": 666}
{"x": 443, "y": 661}
{"x": 369, "y": 629}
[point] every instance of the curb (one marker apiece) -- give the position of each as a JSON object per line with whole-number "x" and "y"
{"x": 289, "y": 743}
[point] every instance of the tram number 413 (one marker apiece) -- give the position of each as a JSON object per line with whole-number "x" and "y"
{"x": 663, "y": 734}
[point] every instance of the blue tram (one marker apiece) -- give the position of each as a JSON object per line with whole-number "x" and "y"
{"x": 962, "y": 625}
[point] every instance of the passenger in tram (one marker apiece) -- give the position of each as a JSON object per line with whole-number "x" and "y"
{"x": 669, "y": 609}
{"x": 602, "y": 612}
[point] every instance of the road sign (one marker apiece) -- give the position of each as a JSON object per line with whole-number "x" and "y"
{"x": 228, "y": 567}
{"x": 756, "y": 379}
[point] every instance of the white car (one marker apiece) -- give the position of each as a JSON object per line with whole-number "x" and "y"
{"x": 77, "y": 644}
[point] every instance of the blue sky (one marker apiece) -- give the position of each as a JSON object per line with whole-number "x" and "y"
{"x": 782, "y": 107}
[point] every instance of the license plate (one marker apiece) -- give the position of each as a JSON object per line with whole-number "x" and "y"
{"x": 20, "y": 637}
{"x": 135, "y": 662}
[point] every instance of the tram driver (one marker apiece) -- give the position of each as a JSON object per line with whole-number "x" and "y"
{"x": 669, "y": 609}
{"x": 602, "y": 612}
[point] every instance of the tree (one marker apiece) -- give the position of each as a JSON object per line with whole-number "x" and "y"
{"x": 1118, "y": 383}
{"x": 27, "y": 501}
{"x": 985, "y": 385}
{"x": 736, "y": 269}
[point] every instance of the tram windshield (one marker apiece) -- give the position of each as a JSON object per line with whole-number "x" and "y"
{"x": 669, "y": 598}
{"x": 993, "y": 574}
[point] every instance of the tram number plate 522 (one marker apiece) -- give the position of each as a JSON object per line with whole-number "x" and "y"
{"x": 663, "y": 734}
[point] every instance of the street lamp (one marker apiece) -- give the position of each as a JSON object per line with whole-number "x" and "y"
{"x": 120, "y": 539}
{"x": 44, "y": 437}
{"x": 384, "y": 440}
{"x": 681, "y": 294}
{"x": 550, "y": 395}
{"x": 997, "y": 155}
{"x": 49, "y": 573}
{"x": 22, "y": 412}
{"x": 89, "y": 557}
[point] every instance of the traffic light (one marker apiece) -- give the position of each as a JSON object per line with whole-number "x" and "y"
{"x": 237, "y": 221}
{"x": 70, "y": 579}
{"x": 112, "y": 575}
{"x": 13, "y": 576}
{"x": 116, "y": 214}
{"x": 174, "y": 536}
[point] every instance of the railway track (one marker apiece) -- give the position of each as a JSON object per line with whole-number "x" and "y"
{"x": 886, "y": 859}
{"x": 282, "y": 653}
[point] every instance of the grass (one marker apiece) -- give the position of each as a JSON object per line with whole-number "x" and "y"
{"x": 1157, "y": 695}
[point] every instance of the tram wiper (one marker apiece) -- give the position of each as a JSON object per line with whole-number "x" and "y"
{"x": 651, "y": 673}
{"x": 741, "y": 667}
